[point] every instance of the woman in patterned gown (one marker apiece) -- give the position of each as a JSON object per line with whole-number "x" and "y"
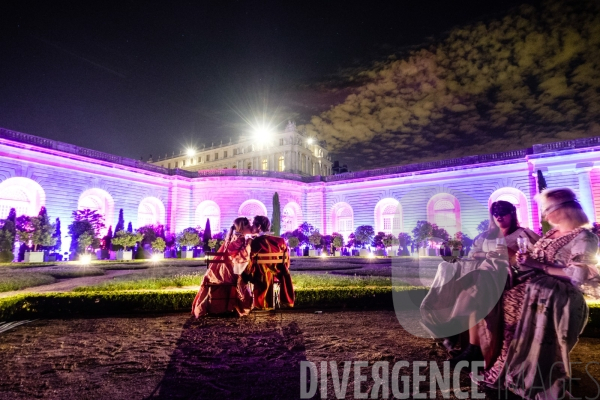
{"x": 465, "y": 292}
{"x": 222, "y": 288}
{"x": 545, "y": 314}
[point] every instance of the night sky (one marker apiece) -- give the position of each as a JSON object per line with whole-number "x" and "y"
{"x": 140, "y": 78}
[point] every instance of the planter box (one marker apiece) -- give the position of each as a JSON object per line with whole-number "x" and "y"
{"x": 34, "y": 256}
{"x": 380, "y": 253}
{"x": 337, "y": 253}
{"x": 187, "y": 253}
{"x": 51, "y": 258}
{"x": 124, "y": 255}
{"x": 363, "y": 252}
{"x": 312, "y": 253}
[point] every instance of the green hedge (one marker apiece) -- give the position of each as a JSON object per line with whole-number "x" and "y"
{"x": 35, "y": 305}
{"x": 137, "y": 301}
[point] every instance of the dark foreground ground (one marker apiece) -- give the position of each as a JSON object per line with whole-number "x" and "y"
{"x": 171, "y": 356}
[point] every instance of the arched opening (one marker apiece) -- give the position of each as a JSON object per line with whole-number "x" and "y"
{"x": 342, "y": 219}
{"x": 25, "y": 195}
{"x": 281, "y": 164}
{"x": 100, "y": 201}
{"x": 388, "y": 216}
{"x": 252, "y": 208}
{"x": 515, "y": 197}
{"x": 151, "y": 211}
{"x": 291, "y": 217}
{"x": 265, "y": 164}
{"x": 208, "y": 210}
{"x": 443, "y": 210}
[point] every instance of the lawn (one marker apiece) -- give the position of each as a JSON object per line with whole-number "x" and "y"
{"x": 11, "y": 279}
{"x": 156, "y": 282}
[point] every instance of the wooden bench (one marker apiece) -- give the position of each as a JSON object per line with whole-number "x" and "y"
{"x": 269, "y": 259}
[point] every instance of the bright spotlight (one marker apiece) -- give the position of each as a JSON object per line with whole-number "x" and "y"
{"x": 310, "y": 140}
{"x": 155, "y": 258}
{"x": 85, "y": 259}
{"x": 323, "y": 255}
{"x": 371, "y": 255}
{"x": 190, "y": 152}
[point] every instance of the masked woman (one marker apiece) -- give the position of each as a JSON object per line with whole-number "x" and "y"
{"x": 546, "y": 312}
{"x": 222, "y": 289}
{"x": 465, "y": 292}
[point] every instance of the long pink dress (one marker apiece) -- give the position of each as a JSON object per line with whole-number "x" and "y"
{"x": 222, "y": 289}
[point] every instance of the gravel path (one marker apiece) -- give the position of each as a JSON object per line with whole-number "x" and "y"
{"x": 65, "y": 285}
{"x": 172, "y": 356}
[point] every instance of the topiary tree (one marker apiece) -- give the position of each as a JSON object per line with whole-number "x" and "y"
{"x": 57, "y": 235}
{"x": 126, "y": 239}
{"x": 129, "y": 227}
{"x": 158, "y": 245}
{"x": 207, "y": 234}
{"x": 378, "y": 240}
{"x": 542, "y": 185}
{"x": 121, "y": 222}
{"x": 364, "y": 234}
{"x": 293, "y": 242}
{"x": 422, "y": 232}
{"x": 337, "y": 241}
{"x": 404, "y": 241}
{"x": 188, "y": 238}
{"x": 212, "y": 243}
{"x": 389, "y": 240}
{"x": 44, "y": 231}
{"x": 276, "y": 219}
{"x": 7, "y": 242}
{"x": 483, "y": 226}
{"x": 84, "y": 241}
{"x": 315, "y": 239}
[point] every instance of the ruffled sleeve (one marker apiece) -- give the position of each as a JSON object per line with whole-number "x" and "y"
{"x": 581, "y": 267}
{"x": 477, "y": 244}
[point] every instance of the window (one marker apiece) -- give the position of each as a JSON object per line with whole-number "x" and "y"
{"x": 225, "y": 154}
{"x": 216, "y": 156}
{"x": 183, "y": 163}
{"x": 235, "y": 152}
{"x": 265, "y": 164}
{"x": 235, "y": 166}
{"x": 281, "y": 142}
{"x": 281, "y": 164}
{"x": 249, "y": 165}
{"x": 207, "y": 157}
{"x": 169, "y": 165}
{"x": 176, "y": 164}
{"x": 199, "y": 160}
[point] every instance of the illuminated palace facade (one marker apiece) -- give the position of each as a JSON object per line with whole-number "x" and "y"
{"x": 287, "y": 151}
{"x": 453, "y": 193}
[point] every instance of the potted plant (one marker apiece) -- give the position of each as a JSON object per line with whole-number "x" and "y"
{"x": 364, "y": 234}
{"x": 37, "y": 232}
{"x": 293, "y": 243}
{"x": 315, "y": 241}
{"x": 338, "y": 243}
{"x": 158, "y": 247}
{"x": 389, "y": 240}
{"x": 188, "y": 239}
{"x": 126, "y": 240}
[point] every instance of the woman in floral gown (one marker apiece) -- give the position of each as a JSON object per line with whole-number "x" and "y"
{"x": 222, "y": 289}
{"x": 545, "y": 314}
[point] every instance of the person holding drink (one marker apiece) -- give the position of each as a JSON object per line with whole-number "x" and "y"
{"x": 465, "y": 292}
{"x": 546, "y": 301}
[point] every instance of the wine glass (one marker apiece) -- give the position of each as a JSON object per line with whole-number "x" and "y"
{"x": 500, "y": 243}
{"x": 523, "y": 243}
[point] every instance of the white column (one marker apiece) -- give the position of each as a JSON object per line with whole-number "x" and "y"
{"x": 586, "y": 197}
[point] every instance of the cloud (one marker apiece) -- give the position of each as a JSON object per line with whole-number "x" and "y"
{"x": 530, "y": 77}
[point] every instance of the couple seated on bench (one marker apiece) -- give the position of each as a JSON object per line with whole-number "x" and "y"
{"x": 250, "y": 270}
